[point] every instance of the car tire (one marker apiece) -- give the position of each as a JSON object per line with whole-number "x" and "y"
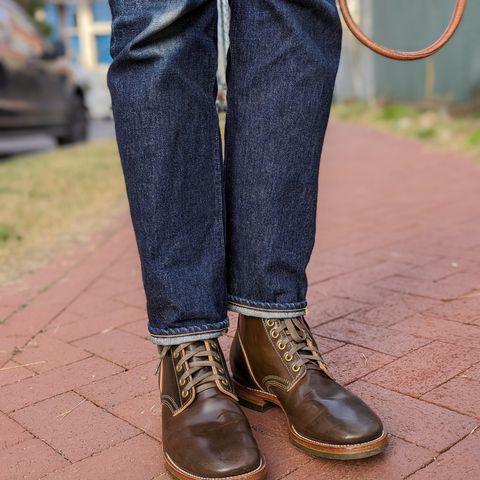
{"x": 77, "y": 123}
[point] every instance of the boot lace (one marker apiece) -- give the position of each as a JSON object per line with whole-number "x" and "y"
{"x": 294, "y": 336}
{"x": 201, "y": 366}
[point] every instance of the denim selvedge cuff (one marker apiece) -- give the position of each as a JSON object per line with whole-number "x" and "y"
{"x": 255, "y": 308}
{"x": 185, "y": 335}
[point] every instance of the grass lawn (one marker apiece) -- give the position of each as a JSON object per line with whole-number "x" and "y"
{"x": 460, "y": 133}
{"x": 49, "y": 197}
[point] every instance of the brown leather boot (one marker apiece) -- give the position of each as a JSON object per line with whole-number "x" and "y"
{"x": 205, "y": 433}
{"x": 276, "y": 361}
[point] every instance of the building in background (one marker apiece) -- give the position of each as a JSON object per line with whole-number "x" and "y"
{"x": 451, "y": 77}
{"x": 84, "y": 26}
{"x": 86, "y": 29}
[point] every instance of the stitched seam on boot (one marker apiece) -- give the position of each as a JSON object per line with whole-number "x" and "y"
{"x": 338, "y": 444}
{"x": 294, "y": 378}
{"x": 227, "y": 390}
{"x": 274, "y": 383}
{"x": 169, "y": 402}
{"x": 188, "y": 401}
{"x": 241, "y": 476}
{"x": 250, "y": 371}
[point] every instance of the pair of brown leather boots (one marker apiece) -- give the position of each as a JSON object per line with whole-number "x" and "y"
{"x": 273, "y": 362}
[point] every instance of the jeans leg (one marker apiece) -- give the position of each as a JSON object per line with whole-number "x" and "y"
{"x": 283, "y": 61}
{"x": 163, "y": 87}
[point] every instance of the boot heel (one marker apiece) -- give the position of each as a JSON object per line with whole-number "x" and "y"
{"x": 251, "y": 399}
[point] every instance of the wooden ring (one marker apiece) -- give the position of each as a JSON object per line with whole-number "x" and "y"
{"x": 398, "y": 54}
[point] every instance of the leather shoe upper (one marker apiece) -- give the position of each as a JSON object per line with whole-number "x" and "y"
{"x": 280, "y": 356}
{"x": 205, "y": 432}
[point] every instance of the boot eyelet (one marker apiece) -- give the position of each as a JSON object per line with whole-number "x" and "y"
{"x": 175, "y": 354}
{"x": 182, "y": 382}
{"x": 184, "y": 393}
{"x": 270, "y": 323}
{"x": 225, "y": 382}
{"x": 274, "y": 334}
{"x": 178, "y": 368}
{"x": 295, "y": 368}
{"x": 220, "y": 370}
{"x": 281, "y": 345}
{"x": 288, "y": 357}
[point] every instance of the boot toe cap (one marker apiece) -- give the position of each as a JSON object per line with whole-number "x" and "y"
{"x": 366, "y": 429}
{"x": 346, "y": 422}
{"x": 219, "y": 466}
{"x": 217, "y": 458}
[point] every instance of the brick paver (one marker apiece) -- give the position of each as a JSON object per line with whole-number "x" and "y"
{"x": 428, "y": 367}
{"x": 394, "y": 302}
{"x": 12, "y": 432}
{"x": 74, "y": 426}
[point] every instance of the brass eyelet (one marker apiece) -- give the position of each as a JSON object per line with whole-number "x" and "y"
{"x": 182, "y": 382}
{"x": 184, "y": 393}
{"x": 274, "y": 334}
{"x": 281, "y": 345}
{"x": 175, "y": 354}
{"x": 220, "y": 370}
{"x": 225, "y": 382}
{"x": 295, "y": 368}
{"x": 178, "y": 368}
{"x": 288, "y": 357}
{"x": 270, "y": 323}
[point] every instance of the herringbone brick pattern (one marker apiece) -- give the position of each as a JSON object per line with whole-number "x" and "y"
{"x": 394, "y": 301}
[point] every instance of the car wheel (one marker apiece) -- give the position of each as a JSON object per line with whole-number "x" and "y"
{"x": 77, "y": 123}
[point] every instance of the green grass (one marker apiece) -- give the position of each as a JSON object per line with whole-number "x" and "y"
{"x": 426, "y": 133}
{"x": 395, "y": 112}
{"x": 433, "y": 126}
{"x": 347, "y": 111}
{"x": 474, "y": 138}
{"x": 7, "y": 233}
{"x": 47, "y": 196}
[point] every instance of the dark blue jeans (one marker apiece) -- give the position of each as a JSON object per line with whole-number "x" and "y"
{"x": 212, "y": 234}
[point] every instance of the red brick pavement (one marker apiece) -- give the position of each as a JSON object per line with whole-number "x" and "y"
{"x": 394, "y": 300}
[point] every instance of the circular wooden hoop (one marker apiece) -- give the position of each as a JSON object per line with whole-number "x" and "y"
{"x": 397, "y": 54}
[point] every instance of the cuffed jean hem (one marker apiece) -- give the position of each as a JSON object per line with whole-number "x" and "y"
{"x": 185, "y": 335}
{"x": 254, "y": 308}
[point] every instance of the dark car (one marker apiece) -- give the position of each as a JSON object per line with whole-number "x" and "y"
{"x": 38, "y": 92}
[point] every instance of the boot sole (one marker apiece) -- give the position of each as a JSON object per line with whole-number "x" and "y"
{"x": 263, "y": 401}
{"x": 260, "y": 473}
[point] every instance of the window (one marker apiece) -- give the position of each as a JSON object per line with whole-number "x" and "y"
{"x": 101, "y": 11}
{"x": 52, "y": 19}
{"x": 103, "y": 48}
{"x": 71, "y": 15}
{"x": 53, "y": 13}
{"x": 74, "y": 44}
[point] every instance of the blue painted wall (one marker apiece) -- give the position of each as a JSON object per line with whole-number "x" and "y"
{"x": 453, "y": 75}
